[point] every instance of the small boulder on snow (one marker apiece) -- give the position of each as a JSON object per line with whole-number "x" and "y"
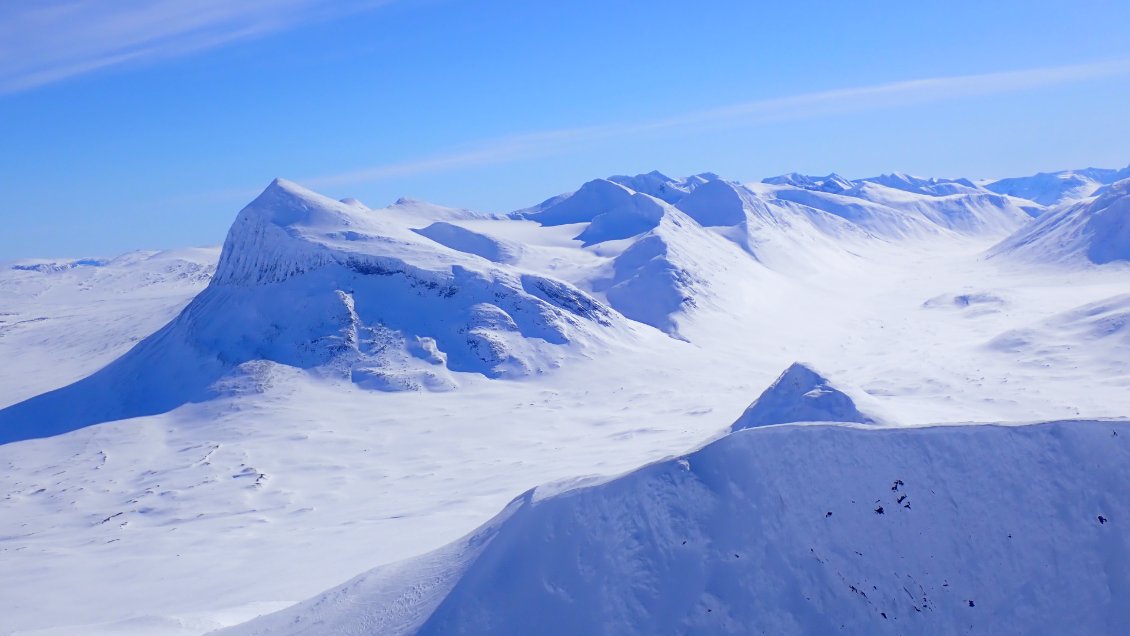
{"x": 801, "y": 394}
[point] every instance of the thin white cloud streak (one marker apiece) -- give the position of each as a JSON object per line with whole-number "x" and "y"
{"x": 795, "y": 107}
{"x": 49, "y": 41}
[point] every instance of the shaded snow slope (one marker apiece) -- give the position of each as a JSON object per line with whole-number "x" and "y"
{"x": 1095, "y": 230}
{"x": 802, "y": 529}
{"x": 317, "y": 284}
{"x": 801, "y": 394}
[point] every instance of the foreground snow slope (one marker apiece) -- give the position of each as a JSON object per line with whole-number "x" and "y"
{"x": 795, "y": 529}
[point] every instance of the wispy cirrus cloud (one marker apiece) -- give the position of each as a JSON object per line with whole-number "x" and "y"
{"x": 42, "y": 42}
{"x": 793, "y": 107}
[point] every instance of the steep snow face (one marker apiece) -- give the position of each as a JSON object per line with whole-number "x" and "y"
{"x": 313, "y": 283}
{"x": 832, "y": 183}
{"x": 801, "y": 394}
{"x": 803, "y": 529}
{"x": 1055, "y": 188}
{"x": 1096, "y": 230}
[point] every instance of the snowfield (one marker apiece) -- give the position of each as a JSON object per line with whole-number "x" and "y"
{"x": 191, "y": 439}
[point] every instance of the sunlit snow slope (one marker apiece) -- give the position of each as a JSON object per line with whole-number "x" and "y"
{"x": 186, "y": 446}
{"x": 791, "y": 529}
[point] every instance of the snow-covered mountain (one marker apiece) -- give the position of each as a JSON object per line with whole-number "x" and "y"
{"x": 352, "y": 386}
{"x": 896, "y": 205}
{"x": 793, "y": 529}
{"x": 801, "y": 394}
{"x": 313, "y": 283}
{"x": 1095, "y": 230}
{"x": 1054, "y": 188}
{"x": 832, "y": 183}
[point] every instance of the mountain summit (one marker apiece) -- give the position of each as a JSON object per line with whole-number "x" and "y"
{"x": 800, "y": 394}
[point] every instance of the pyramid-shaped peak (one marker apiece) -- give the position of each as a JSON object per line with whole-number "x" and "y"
{"x": 801, "y": 394}
{"x": 286, "y": 203}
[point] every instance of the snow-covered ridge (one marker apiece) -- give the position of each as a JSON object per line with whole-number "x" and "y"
{"x": 790, "y": 529}
{"x": 280, "y": 420}
{"x": 1055, "y": 188}
{"x": 413, "y": 295}
{"x": 339, "y": 290}
{"x": 1095, "y": 230}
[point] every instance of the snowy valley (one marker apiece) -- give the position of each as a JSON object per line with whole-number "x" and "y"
{"x": 326, "y": 425}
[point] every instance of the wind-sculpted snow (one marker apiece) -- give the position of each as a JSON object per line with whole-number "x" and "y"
{"x": 800, "y": 529}
{"x": 1095, "y": 231}
{"x": 801, "y": 394}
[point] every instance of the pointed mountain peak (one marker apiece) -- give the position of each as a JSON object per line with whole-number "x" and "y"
{"x": 801, "y": 394}
{"x": 286, "y": 203}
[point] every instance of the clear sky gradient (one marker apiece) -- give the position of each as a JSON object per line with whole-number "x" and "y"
{"x": 149, "y": 124}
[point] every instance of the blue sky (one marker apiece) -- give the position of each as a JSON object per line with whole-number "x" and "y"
{"x": 149, "y": 124}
